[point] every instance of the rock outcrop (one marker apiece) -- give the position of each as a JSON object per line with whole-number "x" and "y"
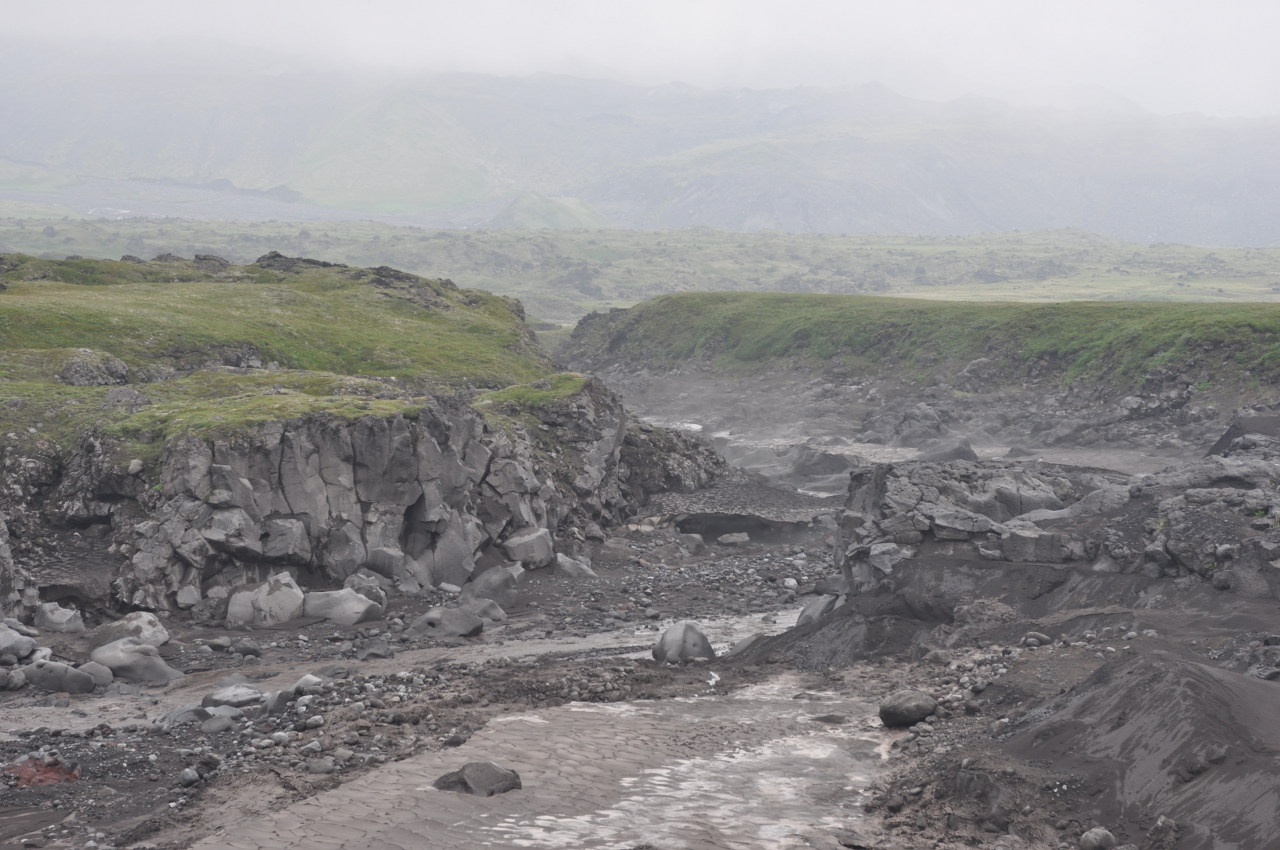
{"x": 1217, "y": 518}
{"x": 417, "y": 499}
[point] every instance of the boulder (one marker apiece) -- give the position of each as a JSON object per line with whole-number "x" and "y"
{"x": 906, "y": 708}
{"x": 15, "y": 644}
{"x": 366, "y": 583}
{"x": 185, "y": 714}
{"x": 817, "y": 609}
{"x": 56, "y": 677}
{"x": 447, "y": 623}
{"x": 101, "y": 674}
{"x": 52, "y": 617}
{"x": 496, "y": 583}
{"x": 133, "y": 660}
{"x": 693, "y": 543}
{"x": 235, "y": 696}
{"x": 486, "y": 609}
{"x": 345, "y": 607}
{"x": 1097, "y": 839}
{"x": 945, "y": 450}
{"x": 142, "y": 625}
{"x": 575, "y": 569}
{"x": 481, "y": 778}
{"x": 683, "y": 642}
{"x": 275, "y": 601}
{"x": 532, "y": 547}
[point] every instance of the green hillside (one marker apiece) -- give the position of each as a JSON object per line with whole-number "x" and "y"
{"x": 562, "y": 275}
{"x": 152, "y": 350}
{"x": 1122, "y": 343}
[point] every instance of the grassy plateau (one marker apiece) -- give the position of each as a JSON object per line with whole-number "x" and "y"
{"x": 1091, "y": 341}
{"x": 562, "y": 275}
{"x": 151, "y": 351}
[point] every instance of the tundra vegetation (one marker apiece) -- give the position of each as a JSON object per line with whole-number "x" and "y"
{"x": 561, "y": 275}
{"x": 216, "y": 347}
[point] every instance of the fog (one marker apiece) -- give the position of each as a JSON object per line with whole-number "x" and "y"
{"x": 1165, "y": 56}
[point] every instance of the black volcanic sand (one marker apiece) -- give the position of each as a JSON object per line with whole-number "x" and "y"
{"x": 1167, "y": 739}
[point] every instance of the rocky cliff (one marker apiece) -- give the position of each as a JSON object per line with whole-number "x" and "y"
{"x": 422, "y": 498}
{"x": 175, "y": 428}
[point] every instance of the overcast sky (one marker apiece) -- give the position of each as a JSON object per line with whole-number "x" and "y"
{"x": 1218, "y": 57}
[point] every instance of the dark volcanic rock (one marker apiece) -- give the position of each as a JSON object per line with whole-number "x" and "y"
{"x": 481, "y": 778}
{"x": 906, "y": 708}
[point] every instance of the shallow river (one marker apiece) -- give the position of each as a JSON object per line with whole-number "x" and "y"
{"x": 753, "y": 769}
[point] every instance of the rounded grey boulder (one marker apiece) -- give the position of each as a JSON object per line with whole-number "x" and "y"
{"x": 683, "y": 642}
{"x": 906, "y": 708}
{"x": 345, "y": 607}
{"x": 142, "y": 625}
{"x": 496, "y": 583}
{"x": 448, "y": 622}
{"x": 56, "y": 677}
{"x": 1097, "y": 839}
{"x": 133, "y": 660}
{"x": 100, "y": 672}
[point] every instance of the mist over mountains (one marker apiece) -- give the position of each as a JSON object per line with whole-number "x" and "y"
{"x": 561, "y": 152}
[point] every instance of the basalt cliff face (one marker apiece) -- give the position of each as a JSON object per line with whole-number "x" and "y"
{"x": 421, "y": 499}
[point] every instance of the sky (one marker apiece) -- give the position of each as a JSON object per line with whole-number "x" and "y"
{"x": 1166, "y": 56}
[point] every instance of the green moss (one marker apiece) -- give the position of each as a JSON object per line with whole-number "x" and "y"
{"x": 559, "y": 386}
{"x": 325, "y": 319}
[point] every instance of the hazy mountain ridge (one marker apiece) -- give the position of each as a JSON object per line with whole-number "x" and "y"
{"x": 465, "y": 150}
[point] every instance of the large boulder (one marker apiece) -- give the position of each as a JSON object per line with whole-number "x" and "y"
{"x": 447, "y": 623}
{"x": 1097, "y": 838}
{"x": 15, "y": 644}
{"x": 56, "y": 677}
{"x": 100, "y": 673}
{"x": 496, "y": 583}
{"x": 142, "y": 625}
{"x": 683, "y": 642}
{"x": 577, "y": 569}
{"x": 485, "y": 609}
{"x": 481, "y": 778}
{"x": 277, "y": 600}
{"x": 906, "y": 708}
{"x": 52, "y": 617}
{"x": 133, "y": 660}
{"x": 532, "y": 547}
{"x": 345, "y": 607}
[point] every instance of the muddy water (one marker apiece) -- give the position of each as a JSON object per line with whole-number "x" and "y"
{"x": 768, "y": 766}
{"x": 778, "y": 779}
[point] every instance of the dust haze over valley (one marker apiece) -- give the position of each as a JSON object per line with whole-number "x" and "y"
{"x": 687, "y": 425}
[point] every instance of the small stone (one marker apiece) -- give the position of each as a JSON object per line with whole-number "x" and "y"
{"x": 189, "y": 777}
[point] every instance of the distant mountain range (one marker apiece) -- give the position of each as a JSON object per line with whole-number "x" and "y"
{"x": 560, "y": 152}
